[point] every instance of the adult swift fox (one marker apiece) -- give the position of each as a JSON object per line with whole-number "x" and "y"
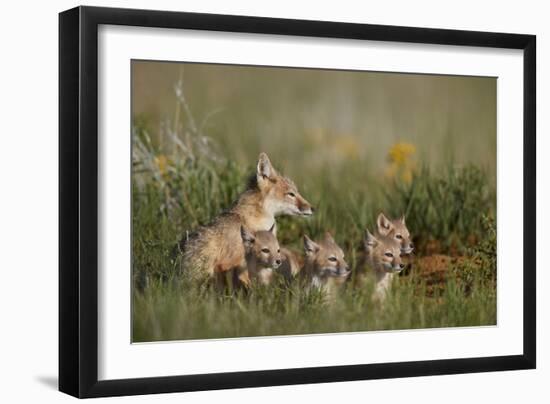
{"x": 262, "y": 254}
{"x": 396, "y": 229}
{"x": 325, "y": 266}
{"x": 382, "y": 260}
{"x": 218, "y": 247}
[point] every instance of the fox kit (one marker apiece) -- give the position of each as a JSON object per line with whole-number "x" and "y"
{"x": 218, "y": 247}
{"x": 383, "y": 260}
{"x": 291, "y": 265}
{"x": 325, "y": 267}
{"x": 262, "y": 254}
{"x": 396, "y": 229}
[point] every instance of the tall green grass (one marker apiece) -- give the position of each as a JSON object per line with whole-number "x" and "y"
{"x": 448, "y": 205}
{"x": 172, "y": 310}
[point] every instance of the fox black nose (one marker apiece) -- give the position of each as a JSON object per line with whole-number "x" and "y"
{"x": 401, "y": 266}
{"x": 411, "y": 245}
{"x": 312, "y": 209}
{"x": 278, "y": 262}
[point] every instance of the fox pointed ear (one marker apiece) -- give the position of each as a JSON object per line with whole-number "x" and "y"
{"x": 264, "y": 169}
{"x": 370, "y": 241}
{"x": 310, "y": 246}
{"x": 272, "y": 229}
{"x": 383, "y": 224}
{"x": 328, "y": 237}
{"x": 247, "y": 236}
{"x": 402, "y": 219}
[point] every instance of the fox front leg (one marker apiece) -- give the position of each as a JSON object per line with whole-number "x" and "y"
{"x": 242, "y": 277}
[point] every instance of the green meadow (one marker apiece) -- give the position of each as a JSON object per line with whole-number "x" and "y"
{"x": 356, "y": 144}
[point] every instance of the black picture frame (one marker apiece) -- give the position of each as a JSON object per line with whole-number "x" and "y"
{"x": 78, "y": 201}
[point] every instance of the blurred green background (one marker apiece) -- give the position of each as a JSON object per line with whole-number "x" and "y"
{"x": 319, "y": 118}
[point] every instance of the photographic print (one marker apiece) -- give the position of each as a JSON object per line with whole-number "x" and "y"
{"x": 320, "y": 189}
{"x": 270, "y": 201}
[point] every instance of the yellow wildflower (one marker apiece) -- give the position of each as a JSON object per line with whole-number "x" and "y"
{"x": 400, "y": 153}
{"x": 162, "y": 163}
{"x": 401, "y": 163}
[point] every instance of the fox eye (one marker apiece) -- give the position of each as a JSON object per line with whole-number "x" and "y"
{"x": 398, "y": 236}
{"x": 333, "y": 259}
{"x": 389, "y": 254}
{"x": 278, "y": 251}
{"x": 265, "y": 250}
{"x": 291, "y": 194}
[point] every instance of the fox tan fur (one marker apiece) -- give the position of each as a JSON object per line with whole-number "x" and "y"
{"x": 325, "y": 267}
{"x": 396, "y": 229}
{"x": 381, "y": 261}
{"x": 262, "y": 254}
{"x": 218, "y": 247}
{"x": 291, "y": 265}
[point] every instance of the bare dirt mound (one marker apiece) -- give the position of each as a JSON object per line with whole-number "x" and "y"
{"x": 435, "y": 270}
